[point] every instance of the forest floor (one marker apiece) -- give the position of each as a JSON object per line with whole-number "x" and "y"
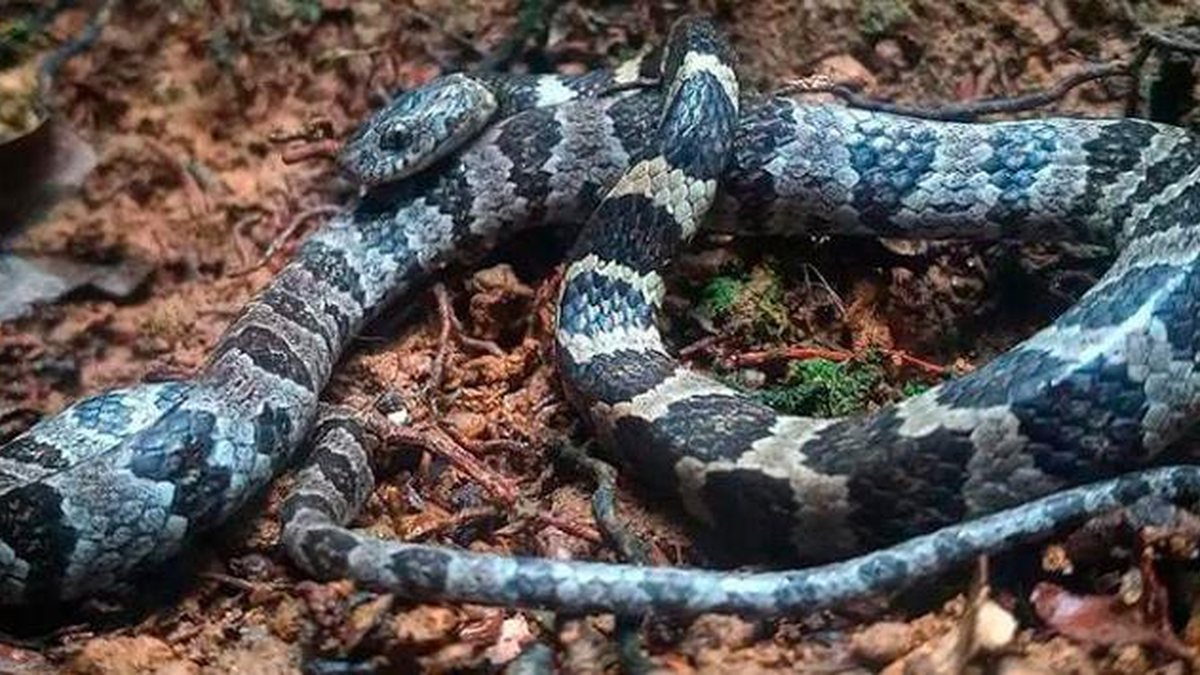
{"x": 195, "y": 113}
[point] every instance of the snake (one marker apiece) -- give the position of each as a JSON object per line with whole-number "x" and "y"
{"x": 1085, "y": 415}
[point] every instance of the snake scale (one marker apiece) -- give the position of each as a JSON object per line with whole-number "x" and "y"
{"x": 1061, "y": 426}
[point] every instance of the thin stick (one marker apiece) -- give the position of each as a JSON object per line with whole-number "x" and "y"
{"x": 235, "y": 582}
{"x": 437, "y": 442}
{"x": 455, "y": 520}
{"x": 969, "y": 110}
{"x": 911, "y": 360}
{"x": 196, "y": 197}
{"x": 437, "y": 370}
{"x": 701, "y": 345}
{"x": 577, "y": 530}
{"x": 805, "y": 353}
{"x": 787, "y": 354}
{"x": 288, "y": 232}
{"x": 326, "y": 148}
{"x": 451, "y": 329}
{"x": 1176, "y": 43}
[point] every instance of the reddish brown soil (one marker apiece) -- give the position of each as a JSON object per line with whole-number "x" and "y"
{"x": 183, "y": 102}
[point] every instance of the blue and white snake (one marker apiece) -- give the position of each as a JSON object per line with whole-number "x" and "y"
{"x": 121, "y": 481}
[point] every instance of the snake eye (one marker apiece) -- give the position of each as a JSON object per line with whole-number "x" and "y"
{"x": 396, "y": 138}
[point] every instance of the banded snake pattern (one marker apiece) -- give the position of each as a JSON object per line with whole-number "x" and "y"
{"x": 121, "y": 481}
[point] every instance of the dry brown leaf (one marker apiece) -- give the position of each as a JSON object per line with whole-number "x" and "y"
{"x": 1100, "y": 620}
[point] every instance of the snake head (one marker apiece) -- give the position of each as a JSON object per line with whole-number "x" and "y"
{"x": 417, "y": 128}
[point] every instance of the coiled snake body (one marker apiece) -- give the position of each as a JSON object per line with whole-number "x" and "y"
{"x": 120, "y": 481}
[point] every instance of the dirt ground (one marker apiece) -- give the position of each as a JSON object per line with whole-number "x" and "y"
{"x": 198, "y": 112}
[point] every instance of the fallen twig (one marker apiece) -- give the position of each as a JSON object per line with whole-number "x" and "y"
{"x": 701, "y": 345}
{"x": 317, "y": 138}
{"x": 1174, "y": 39}
{"x": 498, "y": 445}
{"x": 1153, "y": 41}
{"x": 456, "y": 519}
{"x": 577, "y": 530}
{"x": 451, "y": 328}
{"x": 804, "y": 353}
{"x": 437, "y": 370}
{"x": 234, "y": 582}
{"x": 288, "y": 232}
{"x": 443, "y": 443}
{"x": 967, "y": 110}
{"x": 786, "y": 354}
{"x": 438, "y": 442}
{"x": 909, "y": 359}
{"x": 485, "y": 447}
{"x": 240, "y": 229}
{"x": 197, "y": 199}
{"x": 326, "y": 148}
{"x": 824, "y": 285}
{"x": 466, "y": 341}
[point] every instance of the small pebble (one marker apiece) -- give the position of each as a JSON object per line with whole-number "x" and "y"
{"x": 468, "y": 425}
{"x": 882, "y": 642}
{"x": 751, "y": 378}
{"x": 845, "y": 68}
{"x": 889, "y": 52}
